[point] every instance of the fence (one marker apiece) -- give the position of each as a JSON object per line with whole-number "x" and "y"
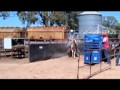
{"x": 114, "y": 52}
{"x": 102, "y": 67}
{"x": 18, "y": 48}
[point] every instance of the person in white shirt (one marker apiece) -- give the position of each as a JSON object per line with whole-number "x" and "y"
{"x": 71, "y": 38}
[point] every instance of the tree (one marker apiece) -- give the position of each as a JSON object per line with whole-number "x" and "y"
{"x": 50, "y": 18}
{"x": 4, "y": 14}
{"x": 73, "y": 20}
{"x": 58, "y": 18}
{"x": 65, "y": 18}
{"x": 117, "y": 26}
{"x": 112, "y": 33}
{"x": 109, "y": 21}
{"x": 44, "y": 15}
{"x": 28, "y": 17}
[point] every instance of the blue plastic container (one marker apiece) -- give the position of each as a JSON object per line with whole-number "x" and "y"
{"x": 92, "y": 42}
{"x": 96, "y": 57}
{"x": 87, "y": 57}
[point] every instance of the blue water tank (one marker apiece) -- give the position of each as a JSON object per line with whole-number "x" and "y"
{"x": 88, "y": 22}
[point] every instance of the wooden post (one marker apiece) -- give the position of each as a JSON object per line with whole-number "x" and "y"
{"x": 0, "y": 54}
{"x": 5, "y": 53}
{"x": 11, "y": 53}
{"x": 29, "y": 49}
{"x": 114, "y": 52}
{"x": 100, "y": 59}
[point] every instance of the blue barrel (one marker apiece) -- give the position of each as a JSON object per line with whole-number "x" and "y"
{"x": 96, "y": 57}
{"x": 93, "y": 57}
{"x": 87, "y": 57}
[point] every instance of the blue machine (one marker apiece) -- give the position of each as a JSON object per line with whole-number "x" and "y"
{"x": 92, "y": 48}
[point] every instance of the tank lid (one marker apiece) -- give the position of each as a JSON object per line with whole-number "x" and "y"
{"x": 90, "y": 12}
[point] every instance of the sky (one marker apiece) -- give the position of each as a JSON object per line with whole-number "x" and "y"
{"x": 13, "y": 20}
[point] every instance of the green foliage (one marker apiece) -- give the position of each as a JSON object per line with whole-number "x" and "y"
{"x": 72, "y": 20}
{"x": 50, "y": 18}
{"x": 58, "y": 18}
{"x": 117, "y": 26}
{"x": 109, "y": 21}
{"x": 4, "y": 14}
{"x": 112, "y": 24}
{"x": 44, "y": 15}
{"x": 112, "y": 33}
{"x": 27, "y": 17}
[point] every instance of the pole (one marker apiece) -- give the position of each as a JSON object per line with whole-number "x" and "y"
{"x": 114, "y": 52}
{"x": 90, "y": 61}
{"x": 78, "y": 67}
{"x": 90, "y": 57}
{"x": 110, "y": 57}
{"x": 29, "y": 49}
{"x": 101, "y": 60}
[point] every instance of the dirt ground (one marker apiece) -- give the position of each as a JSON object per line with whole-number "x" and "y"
{"x": 58, "y": 68}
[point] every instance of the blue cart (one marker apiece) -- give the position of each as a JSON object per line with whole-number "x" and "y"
{"x": 92, "y": 48}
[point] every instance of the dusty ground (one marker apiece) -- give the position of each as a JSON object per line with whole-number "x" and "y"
{"x": 58, "y": 68}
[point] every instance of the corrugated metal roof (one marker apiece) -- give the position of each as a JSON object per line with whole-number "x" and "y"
{"x": 90, "y": 12}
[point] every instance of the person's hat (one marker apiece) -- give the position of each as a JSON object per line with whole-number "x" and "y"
{"x": 104, "y": 34}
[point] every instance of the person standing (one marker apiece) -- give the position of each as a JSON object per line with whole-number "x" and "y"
{"x": 118, "y": 56}
{"x": 117, "y": 59}
{"x": 106, "y": 47}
